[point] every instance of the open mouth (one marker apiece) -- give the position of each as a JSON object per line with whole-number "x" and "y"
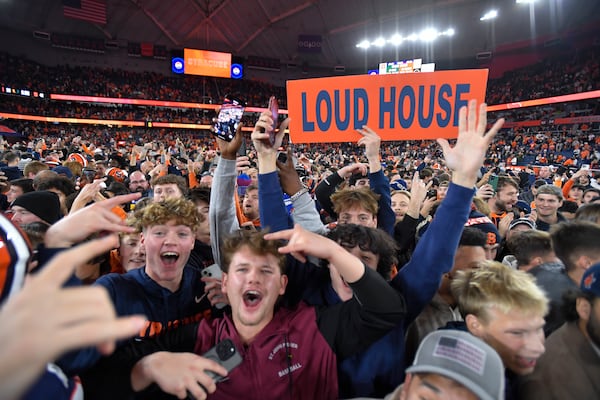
{"x": 169, "y": 257}
{"x": 252, "y": 298}
{"x": 525, "y": 362}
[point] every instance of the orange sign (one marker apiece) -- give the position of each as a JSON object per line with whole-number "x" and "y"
{"x": 397, "y": 107}
{"x": 207, "y": 63}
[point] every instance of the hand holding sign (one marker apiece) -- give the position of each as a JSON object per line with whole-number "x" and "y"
{"x": 467, "y": 155}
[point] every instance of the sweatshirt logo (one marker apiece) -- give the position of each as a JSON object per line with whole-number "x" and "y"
{"x": 290, "y": 369}
{"x": 291, "y": 366}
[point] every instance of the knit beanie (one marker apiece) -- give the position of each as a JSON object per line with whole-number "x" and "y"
{"x": 44, "y": 204}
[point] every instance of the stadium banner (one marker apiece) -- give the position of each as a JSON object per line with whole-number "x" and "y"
{"x": 207, "y": 63}
{"x": 398, "y": 107}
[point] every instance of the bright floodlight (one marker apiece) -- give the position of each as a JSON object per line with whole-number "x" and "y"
{"x": 364, "y": 44}
{"x": 525, "y": 1}
{"x": 396, "y": 40}
{"x": 379, "y": 42}
{"x": 489, "y": 15}
{"x": 412, "y": 37}
{"x": 448, "y": 32}
{"x": 428, "y": 35}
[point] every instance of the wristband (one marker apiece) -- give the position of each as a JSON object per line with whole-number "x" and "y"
{"x": 299, "y": 193}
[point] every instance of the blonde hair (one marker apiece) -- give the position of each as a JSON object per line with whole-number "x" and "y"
{"x": 497, "y": 285}
{"x": 181, "y": 211}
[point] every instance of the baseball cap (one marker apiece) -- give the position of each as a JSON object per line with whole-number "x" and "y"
{"x": 590, "y": 283}
{"x": 521, "y": 221}
{"x": 464, "y": 358}
{"x": 522, "y": 205}
{"x": 398, "y": 184}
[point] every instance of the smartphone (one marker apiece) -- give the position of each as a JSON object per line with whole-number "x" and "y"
{"x": 242, "y": 149}
{"x": 282, "y": 157}
{"x": 226, "y": 354}
{"x": 274, "y": 108}
{"x": 214, "y": 271}
{"x": 432, "y": 194}
{"x": 229, "y": 118}
{"x": 493, "y": 181}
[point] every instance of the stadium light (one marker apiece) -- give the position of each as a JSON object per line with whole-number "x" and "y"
{"x": 379, "y": 42}
{"x": 526, "y": 1}
{"x": 396, "y": 40}
{"x": 365, "y": 44}
{"x": 489, "y": 15}
{"x": 426, "y": 35}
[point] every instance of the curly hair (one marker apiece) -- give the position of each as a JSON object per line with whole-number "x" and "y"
{"x": 374, "y": 240}
{"x": 180, "y": 211}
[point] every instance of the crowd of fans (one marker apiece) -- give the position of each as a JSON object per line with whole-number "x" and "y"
{"x": 19, "y": 72}
{"x": 309, "y": 271}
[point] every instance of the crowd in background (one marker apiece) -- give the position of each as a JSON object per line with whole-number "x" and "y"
{"x": 483, "y": 234}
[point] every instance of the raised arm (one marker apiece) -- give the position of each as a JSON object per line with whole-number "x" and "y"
{"x": 376, "y": 307}
{"x": 270, "y": 204}
{"x": 420, "y": 278}
{"x": 221, "y": 213}
{"x": 378, "y": 182}
{"x": 304, "y": 211}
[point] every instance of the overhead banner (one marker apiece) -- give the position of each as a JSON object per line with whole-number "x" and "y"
{"x": 207, "y": 63}
{"x": 397, "y": 107}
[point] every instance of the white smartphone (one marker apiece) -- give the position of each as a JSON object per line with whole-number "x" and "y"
{"x": 214, "y": 271}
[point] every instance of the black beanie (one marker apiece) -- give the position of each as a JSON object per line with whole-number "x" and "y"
{"x": 44, "y": 204}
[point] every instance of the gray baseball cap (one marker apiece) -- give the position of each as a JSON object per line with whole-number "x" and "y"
{"x": 463, "y": 358}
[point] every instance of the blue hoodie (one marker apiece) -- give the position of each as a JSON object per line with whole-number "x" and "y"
{"x": 380, "y": 369}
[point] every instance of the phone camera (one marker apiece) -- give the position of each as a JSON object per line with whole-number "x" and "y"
{"x": 225, "y": 351}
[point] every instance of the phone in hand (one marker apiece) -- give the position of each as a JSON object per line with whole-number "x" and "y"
{"x": 214, "y": 271}
{"x": 226, "y": 354}
{"x": 432, "y": 194}
{"x": 493, "y": 181}
{"x": 282, "y": 156}
{"x": 274, "y": 108}
{"x": 229, "y": 118}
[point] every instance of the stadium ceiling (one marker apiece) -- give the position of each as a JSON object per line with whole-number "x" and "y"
{"x": 270, "y": 28}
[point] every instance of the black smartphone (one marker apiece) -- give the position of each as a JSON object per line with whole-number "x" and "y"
{"x": 282, "y": 157}
{"x": 242, "y": 150}
{"x": 229, "y": 118}
{"x": 274, "y": 108}
{"x": 432, "y": 194}
{"x": 225, "y": 354}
